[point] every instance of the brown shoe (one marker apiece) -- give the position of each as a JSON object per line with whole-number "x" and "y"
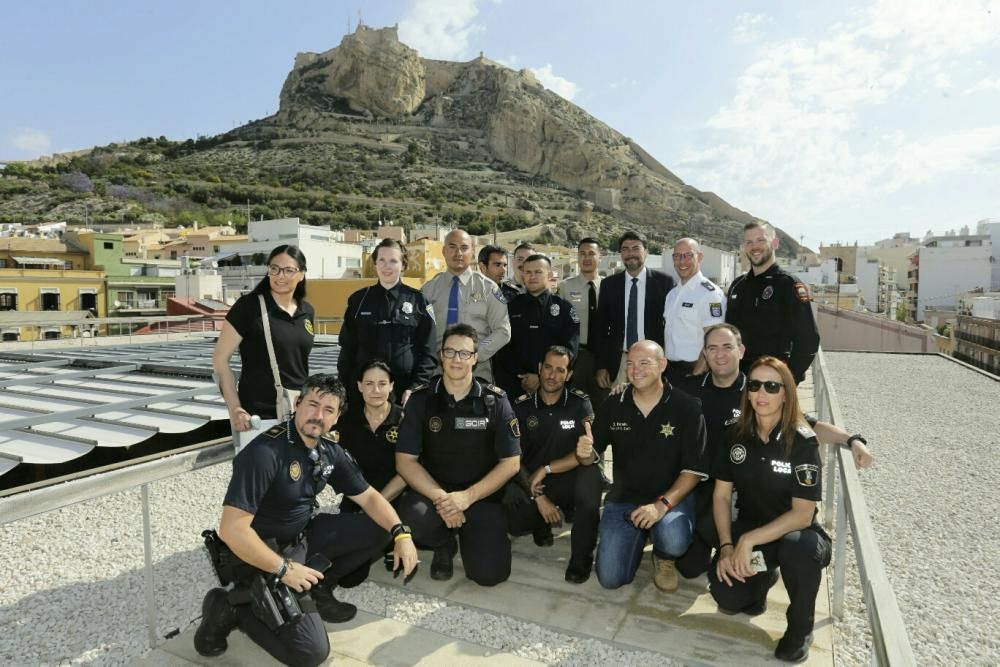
{"x": 664, "y": 574}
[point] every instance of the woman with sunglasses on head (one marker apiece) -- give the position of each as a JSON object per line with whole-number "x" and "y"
{"x": 291, "y": 329}
{"x": 773, "y": 462}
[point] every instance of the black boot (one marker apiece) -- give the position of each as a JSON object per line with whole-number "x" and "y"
{"x": 578, "y": 570}
{"x": 793, "y": 648}
{"x": 543, "y": 536}
{"x": 218, "y": 618}
{"x": 330, "y": 608}
{"x": 443, "y": 566}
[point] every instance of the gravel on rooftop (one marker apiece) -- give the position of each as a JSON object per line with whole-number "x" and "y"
{"x": 934, "y": 427}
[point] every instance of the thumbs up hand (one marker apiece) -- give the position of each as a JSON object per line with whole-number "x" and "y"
{"x": 585, "y": 445}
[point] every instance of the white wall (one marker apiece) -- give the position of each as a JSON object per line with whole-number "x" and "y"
{"x": 867, "y": 278}
{"x": 947, "y": 273}
{"x": 719, "y": 266}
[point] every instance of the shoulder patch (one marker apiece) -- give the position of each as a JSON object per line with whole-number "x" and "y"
{"x": 805, "y": 431}
{"x": 495, "y": 389}
{"x": 802, "y": 292}
{"x": 521, "y": 399}
{"x": 498, "y": 293}
{"x": 275, "y": 431}
{"x": 579, "y": 393}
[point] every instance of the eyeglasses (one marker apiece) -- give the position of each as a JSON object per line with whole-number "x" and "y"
{"x": 287, "y": 271}
{"x": 683, "y": 255}
{"x": 770, "y": 386}
{"x": 449, "y": 353}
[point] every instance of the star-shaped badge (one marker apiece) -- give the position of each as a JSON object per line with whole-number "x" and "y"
{"x": 667, "y": 430}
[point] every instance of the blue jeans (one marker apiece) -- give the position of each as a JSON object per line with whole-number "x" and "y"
{"x": 620, "y": 545}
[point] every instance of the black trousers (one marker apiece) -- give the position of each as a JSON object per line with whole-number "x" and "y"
{"x": 801, "y": 555}
{"x": 584, "y": 370}
{"x": 350, "y": 541}
{"x": 697, "y": 559}
{"x": 482, "y": 539}
{"x": 576, "y": 492}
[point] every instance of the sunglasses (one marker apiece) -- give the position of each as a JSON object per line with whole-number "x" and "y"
{"x": 770, "y": 386}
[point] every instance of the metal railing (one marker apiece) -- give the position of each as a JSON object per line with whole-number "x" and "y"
{"x": 41, "y": 501}
{"x": 890, "y": 641}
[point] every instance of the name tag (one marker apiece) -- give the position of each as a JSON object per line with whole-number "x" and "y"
{"x": 620, "y": 426}
{"x": 782, "y": 467}
{"x": 471, "y": 423}
{"x": 686, "y": 304}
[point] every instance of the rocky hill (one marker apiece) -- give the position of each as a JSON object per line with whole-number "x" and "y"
{"x": 370, "y": 130}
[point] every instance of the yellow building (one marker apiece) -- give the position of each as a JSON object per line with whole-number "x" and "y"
{"x": 328, "y": 298}
{"x": 19, "y": 252}
{"x": 39, "y": 303}
{"x": 425, "y": 259}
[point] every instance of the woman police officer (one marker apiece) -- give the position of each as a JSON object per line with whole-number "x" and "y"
{"x": 773, "y": 462}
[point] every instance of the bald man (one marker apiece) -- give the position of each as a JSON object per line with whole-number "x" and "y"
{"x": 690, "y": 308}
{"x": 461, "y": 296}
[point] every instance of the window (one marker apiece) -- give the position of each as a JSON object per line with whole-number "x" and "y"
{"x": 49, "y": 300}
{"x": 10, "y": 336}
{"x": 88, "y": 301}
{"x": 109, "y": 245}
{"x": 8, "y": 300}
{"x": 51, "y": 334}
{"x": 126, "y": 299}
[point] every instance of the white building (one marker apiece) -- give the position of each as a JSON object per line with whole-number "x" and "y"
{"x": 823, "y": 274}
{"x": 950, "y": 266}
{"x": 719, "y": 266}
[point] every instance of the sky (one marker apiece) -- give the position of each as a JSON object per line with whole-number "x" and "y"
{"x": 838, "y": 122}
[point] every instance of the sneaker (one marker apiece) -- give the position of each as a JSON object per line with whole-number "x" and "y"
{"x": 543, "y": 536}
{"x": 218, "y": 619}
{"x": 793, "y": 648}
{"x": 578, "y": 571}
{"x": 443, "y": 566}
{"x": 664, "y": 574}
{"x": 330, "y": 608}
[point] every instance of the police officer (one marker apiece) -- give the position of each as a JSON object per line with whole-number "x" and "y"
{"x": 369, "y": 432}
{"x": 691, "y": 307}
{"x": 552, "y": 420}
{"x": 770, "y": 307}
{"x": 538, "y": 319}
{"x": 390, "y": 321}
{"x": 773, "y": 463}
{"x": 721, "y": 392}
{"x": 493, "y": 265}
{"x": 582, "y": 291}
{"x": 462, "y": 295}
{"x": 268, "y": 524}
{"x": 458, "y": 446}
{"x": 658, "y": 436}
{"x": 522, "y": 251}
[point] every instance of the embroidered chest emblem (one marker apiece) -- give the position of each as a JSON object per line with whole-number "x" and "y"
{"x": 667, "y": 430}
{"x": 295, "y": 471}
{"x": 392, "y": 434}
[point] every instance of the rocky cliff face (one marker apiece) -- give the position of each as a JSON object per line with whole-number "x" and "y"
{"x": 520, "y": 122}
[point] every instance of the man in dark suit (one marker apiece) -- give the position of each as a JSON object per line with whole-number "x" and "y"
{"x": 630, "y": 308}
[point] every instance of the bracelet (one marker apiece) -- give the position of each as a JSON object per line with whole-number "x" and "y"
{"x": 727, "y": 544}
{"x": 856, "y": 436}
{"x": 548, "y": 469}
{"x": 663, "y": 499}
{"x": 283, "y": 570}
{"x": 402, "y": 536}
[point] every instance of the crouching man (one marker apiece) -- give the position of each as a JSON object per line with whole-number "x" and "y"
{"x": 269, "y": 533}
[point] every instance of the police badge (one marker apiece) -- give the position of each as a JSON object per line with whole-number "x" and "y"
{"x": 407, "y": 307}
{"x": 554, "y": 310}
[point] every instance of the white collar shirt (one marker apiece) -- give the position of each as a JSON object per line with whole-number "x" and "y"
{"x": 690, "y": 308}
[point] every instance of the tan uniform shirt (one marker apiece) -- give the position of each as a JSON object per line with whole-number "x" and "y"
{"x": 480, "y": 304}
{"x": 575, "y": 291}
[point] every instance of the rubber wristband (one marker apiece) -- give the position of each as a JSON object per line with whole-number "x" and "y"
{"x": 402, "y": 536}
{"x": 727, "y": 544}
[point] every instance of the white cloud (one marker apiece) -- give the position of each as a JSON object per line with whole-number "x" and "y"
{"x": 557, "y": 84}
{"x": 624, "y": 82}
{"x": 796, "y": 138}
{"x": 987, "y": 85}
{"x": 748, "y": 27}
{"x": 30, "y": 140}
{"x": 440, "y": 28}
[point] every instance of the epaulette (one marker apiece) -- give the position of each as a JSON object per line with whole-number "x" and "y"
{"x": 580, "y": 393}
{"x": 495, "y": 389}
{"x": 419, "y": 387}
{"x": 707, "y": 284}
{"x": 333, "y": 436}
{"x": 805, "y": 431}
{"x": 521, "y": 399}
{"x": 275, "y": 431}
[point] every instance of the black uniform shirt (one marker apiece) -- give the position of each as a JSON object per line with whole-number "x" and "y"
{"x": 651, "y": 452}
{"x": 273, "y": 479}
{"x": 293, "y": 340}
{"x": 459, "y": 442}
{"x": 719, "y": 405}
{"x": 765, "y": 479}
{"x": 549, "y": 432}
{"x": 774, "y": 316}
{"x": 509, "y": 290}
{"x": 537, "y": 322}
{"x": 375, "y": 452}
{"x": 394, "y": 325}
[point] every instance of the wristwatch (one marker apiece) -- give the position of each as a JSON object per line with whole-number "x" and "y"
{"x": 856, "y": 436}
{"x": 400, "y": 529}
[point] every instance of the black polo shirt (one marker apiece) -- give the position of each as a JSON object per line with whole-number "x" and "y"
{"x": 536, "y": 323}
{"x": 292, "y": 336}
{"x": 459, "y": 442}
{"x": 719, "y": 405}
{"x": 651, "y": 452}
{"x": 273, "y": 479}
{"x": 375, "y": 452}
{"x": 765, "y": 478}
{"x": 549, "y": 432}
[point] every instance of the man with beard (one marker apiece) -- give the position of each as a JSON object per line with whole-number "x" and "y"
{"x": 771, "y": 308}
{"x": 493, "y": 265}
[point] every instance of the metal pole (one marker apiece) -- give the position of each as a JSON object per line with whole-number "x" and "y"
{"x": 839, "y": 553}
{"x": 147, "y": 545}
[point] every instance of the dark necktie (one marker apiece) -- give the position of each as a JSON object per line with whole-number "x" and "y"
{"x": 453, "y": 302}
{"x": 632, "y": 323}
{"x": 591, "y": 314}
